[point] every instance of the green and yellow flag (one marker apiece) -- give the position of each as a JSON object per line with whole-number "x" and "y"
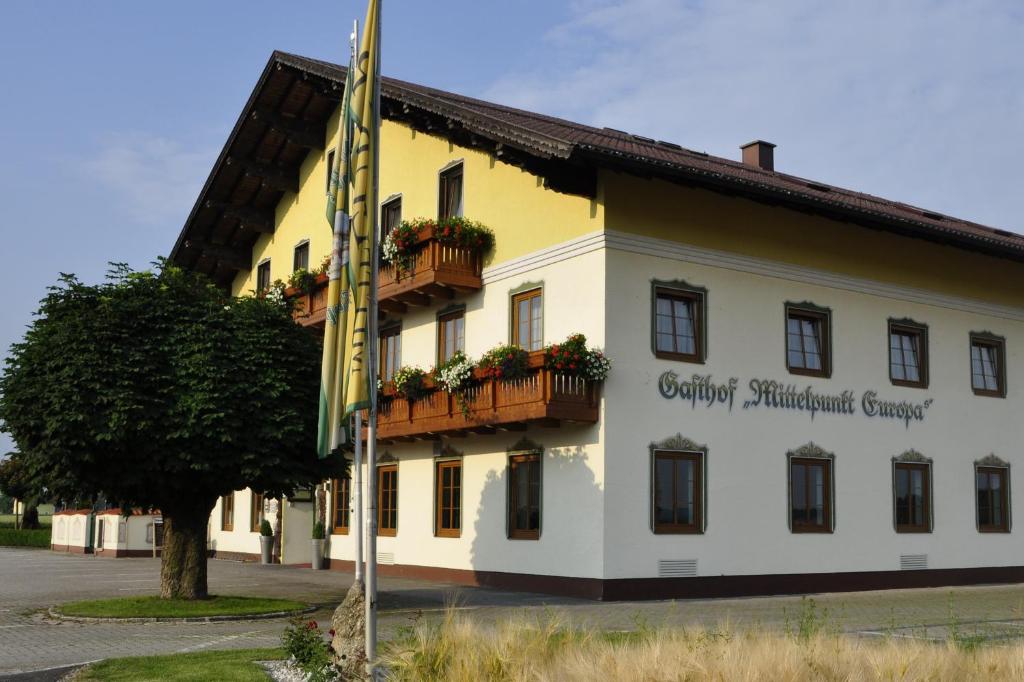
{"x": 346, "y": 374}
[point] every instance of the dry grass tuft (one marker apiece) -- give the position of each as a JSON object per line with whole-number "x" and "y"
{"x": 458, "y": 650}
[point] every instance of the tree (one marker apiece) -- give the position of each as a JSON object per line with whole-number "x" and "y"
{"x": 17, "y": 481}
{"x": 158, "y": 390}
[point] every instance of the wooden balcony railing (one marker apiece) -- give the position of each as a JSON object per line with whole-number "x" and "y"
{"x": 541, "y": 397}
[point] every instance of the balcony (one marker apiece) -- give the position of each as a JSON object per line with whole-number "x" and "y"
{"x": 543, "y": 397}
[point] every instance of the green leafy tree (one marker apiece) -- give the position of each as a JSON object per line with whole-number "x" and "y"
{"x": 18, "y": 482}
{"x": 158, "y": 390}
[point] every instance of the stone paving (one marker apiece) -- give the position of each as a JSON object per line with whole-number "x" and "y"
{"x": 33, "y": 580}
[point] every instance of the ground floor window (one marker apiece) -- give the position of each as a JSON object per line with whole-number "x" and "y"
{"x": 448, "y": 513}
{"x": 227, "y": 512}
{"x": 677, "y": 494}
{"x": 524, "y": 496}
{"x": 810, "y": 495}
{"x": 256, "y": 512}
{"x": 993, "y": 495}
{"x": 340, "y": 506}
{"x": 387, "y": 500}
{"x": 912, "y": 491}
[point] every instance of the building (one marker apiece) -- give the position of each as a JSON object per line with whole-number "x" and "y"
{"x": 812, "y": 389}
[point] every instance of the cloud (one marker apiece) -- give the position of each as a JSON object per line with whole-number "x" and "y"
{"x": 151, "y": 179}
{"x": 918, "y": 100}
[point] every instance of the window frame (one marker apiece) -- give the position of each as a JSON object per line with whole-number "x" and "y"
{"x": 908, "y": 326}
{"x": 823, "y": 317}
{"x": 439, "y": 530}
{"x": 386, "y": 331}
{"x": 920, "y": 464}
{"x": 341, "y": 486}
{"x": 525, "y": 292}
{"x": 698, "y": 296}
{"x": 385, "y": 206}
{"x": 990, "y": 340}
{"x": 330, "y": 168}
{"x": 302, "y": 245}
{"x": 227, "y": 512}
{"x": 816, "y": 457}
{"x": 517, "y": 458}
{"x": 262, "y": 288}
{"x": 255, "y": 511}
{"x": 443, "y": 316}
{"x": 391, "y": 467}
{"x": 699, "y": 456}
{"x": 453, "y": 169}
{"x": 1003, "y": 469}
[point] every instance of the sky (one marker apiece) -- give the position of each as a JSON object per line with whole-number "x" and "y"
{"x": 113, "y": 111}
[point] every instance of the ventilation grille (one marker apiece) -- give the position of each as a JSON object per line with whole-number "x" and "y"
{"x": 677, "y": 568}
{"x": 387, "y": 558}
{"x": 913, "y": 562}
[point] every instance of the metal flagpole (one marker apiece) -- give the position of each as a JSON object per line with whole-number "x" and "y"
{"x": 357, "y": 475}
{"x": 371, "y": 436}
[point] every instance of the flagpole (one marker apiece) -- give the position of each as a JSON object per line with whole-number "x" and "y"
{"x": 371, "y": 436}
{"x": 357, "y": 483}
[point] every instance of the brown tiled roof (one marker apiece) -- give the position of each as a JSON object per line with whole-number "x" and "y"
{"x": 545, "y": 144}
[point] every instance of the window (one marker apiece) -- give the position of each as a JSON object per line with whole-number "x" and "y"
{"x": 988, "y": 370}
{"x": 679, "y": 323}
{"x": 263, "y": 276}
{"x": 912, "y": 497}
{"x": 391, "y": 215}
{"x": 908, "y": 354}
{"x": 101, "y": 525}
{"x": 227, "y": 512}
{"x": 450, "y": 193}
{"x": 340, "y": 506}
{"x": 448, "y": 515}
{"x": 390, "y": 351}
{"x": 808, "y": 344}
{"x": 256, "y": 512}
{"x": 527, "y": 319}
{"x": 524, "y": 496}
{"x": 993, "y": 499}
{"x": 330, "y": 169}
{"x": 387, "y": 500}
{"x": 451, "y": 335}
{"x": 810, "y": 495}
{"x": 300, "y": 261}
{"x": 677, "y": 495}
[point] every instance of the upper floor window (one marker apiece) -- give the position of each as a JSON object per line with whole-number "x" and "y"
{"x": 810, "y": 494}
{"x": 448, "y": 513}
{"x": 330, "y": 169}
{"x": 263, "y": 276}
{"x": 300, "y": 260}
{"x": 391, "y": 215}
{"x": 912, "y": 496}
{"x": 450, "y": 193}
{"x": 451, "y": 335}
{"x": 679, "y": 314}
{"x": 908, "y": 353}
{"x": 524, "y": 496}
{"x": 988, "y": 370}
{"x": 678, "y": 492}
{"x": 390, "y": 351}
{"x": 808, "y": 340}
{"x": 387, "y": 500}
{"x": 527, "y": 319}
{"x": 340, "y": 506}
{"x": 993, "y": 495}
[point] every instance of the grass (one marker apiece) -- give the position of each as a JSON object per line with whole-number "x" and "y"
{"x": 24, "y": 538}
{"x": 544, "y": 650}
{"x": 155, "y": 607}
{"x": 224, "y": 666}
{"x": 7, "y": 521}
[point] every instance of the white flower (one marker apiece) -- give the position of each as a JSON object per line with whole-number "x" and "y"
{"x": 389, "y": 248}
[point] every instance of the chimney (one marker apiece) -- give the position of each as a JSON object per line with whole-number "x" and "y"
{"x": 759, "y": 153}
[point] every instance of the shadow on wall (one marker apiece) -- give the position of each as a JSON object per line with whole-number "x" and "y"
{"x": 569, "y": 539}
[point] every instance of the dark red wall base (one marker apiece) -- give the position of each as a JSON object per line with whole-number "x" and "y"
{"x": 73, "y": 549}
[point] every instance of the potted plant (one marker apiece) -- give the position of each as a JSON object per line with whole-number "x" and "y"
{"x": 504, "y": 362}
{"x": 266, "y": 541}
{"x": 410, "y": 383}
{"x": 573, "y": 358}
{"x": 456, "y": 377}
{"x": 318, "y": 546}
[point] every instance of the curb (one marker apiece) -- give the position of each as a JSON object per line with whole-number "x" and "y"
{"x": 57, "y": 615}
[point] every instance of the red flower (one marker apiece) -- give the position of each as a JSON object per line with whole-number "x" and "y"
{"x": 572, "y": 366}
{"x": 554, "y": 348}
{"x": 331, "y": 632}
{"x": 498, "y": 373}
{"x": 558, "y": 366}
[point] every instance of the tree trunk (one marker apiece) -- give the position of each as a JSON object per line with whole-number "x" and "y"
{"x": 31, "y": 517}
{"x": 184, "y": 556}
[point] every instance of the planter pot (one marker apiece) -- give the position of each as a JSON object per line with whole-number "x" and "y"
{"x": 266, "y": 547}
{"x": 318, "y": 555}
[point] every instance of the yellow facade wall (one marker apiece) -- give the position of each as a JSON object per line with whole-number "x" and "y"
{"x": 707, "y": 219}
{"x": 523, "y": 214}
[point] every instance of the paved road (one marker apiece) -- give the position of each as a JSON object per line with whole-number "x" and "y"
{"x": 33, "y": 580}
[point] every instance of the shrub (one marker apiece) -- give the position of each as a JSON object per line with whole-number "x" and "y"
{"x": 306, "y": 644}
{"x": 303, "y": 280}
{"x": 573, "y": 358}
{"x": 504, "y": 362}
{"x": 318, "y": 530}
{"x": 265, "y": 529}
{"x": 39, "y": 537}
{"x": 409, "y": 383}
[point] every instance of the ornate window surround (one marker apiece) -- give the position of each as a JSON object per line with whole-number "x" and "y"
{"x": 678, "y": 443}
{"x": 809, "y": 308}
{"x": 992, "y": 461}
{"x": 524, "y": 446}
{"x": 912, "y": 456}
{"x": 920, "y": 328}
{"x": 444, "y": 452}
{"x": 811, "y": 451}
{"x": 701, "y": 310}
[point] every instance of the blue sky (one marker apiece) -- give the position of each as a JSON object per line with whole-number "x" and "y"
{"x": 112, "y": 112}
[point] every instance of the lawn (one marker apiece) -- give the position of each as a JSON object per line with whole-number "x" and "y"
{"x": 155, "y": 607}
{"x": 7, "y": 521}
{"x": 224, "y": 666}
